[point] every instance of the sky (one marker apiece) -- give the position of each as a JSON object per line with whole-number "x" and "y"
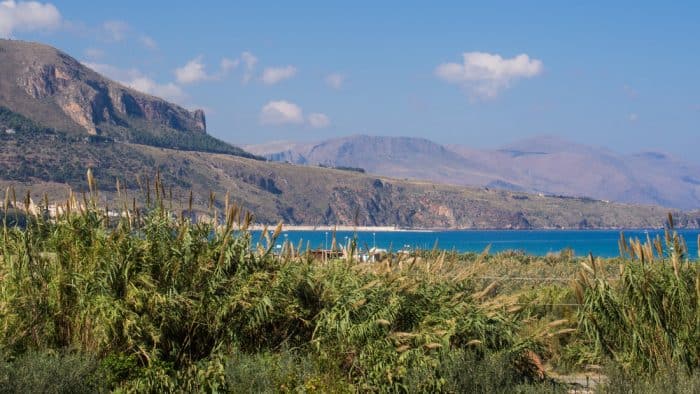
{"x": 623, "y": 75}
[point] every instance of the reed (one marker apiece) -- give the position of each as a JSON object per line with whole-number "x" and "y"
{"x": 161, "y": 301}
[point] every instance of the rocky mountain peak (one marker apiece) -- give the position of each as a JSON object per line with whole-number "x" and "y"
{"x": 71, "y": 93}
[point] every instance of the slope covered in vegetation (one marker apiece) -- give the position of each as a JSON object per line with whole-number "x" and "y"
{"x": 151, "y": 301}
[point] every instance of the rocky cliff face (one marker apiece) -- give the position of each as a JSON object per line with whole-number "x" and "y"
{"x": 69, "y": 92}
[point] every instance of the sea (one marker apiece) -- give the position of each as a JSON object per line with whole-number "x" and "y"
{"x": 602, "y": 243}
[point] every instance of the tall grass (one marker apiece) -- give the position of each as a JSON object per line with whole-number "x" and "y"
{"x": 153, "y": 300}
{"x": 647, "y": 318}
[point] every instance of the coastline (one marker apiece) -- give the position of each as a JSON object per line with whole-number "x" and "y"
{"x": 360, "y": 229}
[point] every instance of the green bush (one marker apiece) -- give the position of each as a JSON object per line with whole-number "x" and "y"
{"x": 50, "y": 372}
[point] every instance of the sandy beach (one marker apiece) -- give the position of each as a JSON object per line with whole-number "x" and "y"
{"x": 289, "y": 227}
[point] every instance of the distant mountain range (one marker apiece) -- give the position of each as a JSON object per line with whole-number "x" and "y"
{"x": 58, "y": 118}
{"x": 544, "y": 164}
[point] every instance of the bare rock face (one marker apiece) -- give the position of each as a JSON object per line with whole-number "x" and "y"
{"x": 84, "y": 97}
{"x": 200, "y": 120}
{"x": 49, "y": 81}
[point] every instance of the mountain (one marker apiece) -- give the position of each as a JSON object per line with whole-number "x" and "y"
{"x": 58, "y": 118}
{"x": 398, "y": 157}
{"x": 542, "y": 164}
{"x": 295, "y": 194}
{"x": 58, "y": 92}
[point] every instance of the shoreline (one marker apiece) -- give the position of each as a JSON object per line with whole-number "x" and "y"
{"x": 359, "y": 229}
{"x": 387, "y": 229}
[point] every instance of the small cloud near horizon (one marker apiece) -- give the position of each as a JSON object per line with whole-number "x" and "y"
{"x": 274, "y": 75}
{"x": 484, "y": 75}
{"x": 281, "y": 112}
{"x": 318, "y": 120}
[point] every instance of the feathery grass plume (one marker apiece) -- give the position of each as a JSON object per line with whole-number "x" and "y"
{"x": 658, "y": 246}
{"x": 28, "y": 203}
{"x": 92, "y": 187}
{"x": 333, "y": 242}
{"x": 175, "y": 304}
{"x": 647, "y": 319}
{"x": 6, "y": 203}
{"x": 622, "y": 246}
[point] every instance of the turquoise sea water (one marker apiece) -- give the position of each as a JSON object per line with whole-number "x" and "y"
{"x": 538, "y": 242}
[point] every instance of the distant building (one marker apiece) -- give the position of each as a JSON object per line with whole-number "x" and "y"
{"x": 376, "y": 255}
{"x": 10, "y": 131}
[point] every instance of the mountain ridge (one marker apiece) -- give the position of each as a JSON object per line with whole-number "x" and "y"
{"x": 544, "y": 164}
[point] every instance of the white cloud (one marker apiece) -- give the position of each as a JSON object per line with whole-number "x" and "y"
{"x": 136, "y": 80}
{"x": 318, "y": 120}
{"x": 335, "y": 80}
{"x": 632, "y": 117}
{"x": 193, "y": 71}
{"x": 27, "y": 16}
{"x": 283, "y": 112}
{"x": 228, "y": 65}
{"x": 485, "y": 75}
{"x": 250, "y": 61}
{"x": 94, "y": 53}
{"x": 148, "y": 42}
{"x": 273, "y": 75}
{"x": 116, "y": 30}
{"x": 280, "y": 113}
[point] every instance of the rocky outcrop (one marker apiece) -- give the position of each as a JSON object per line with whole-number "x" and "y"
{"x": 89, "y": 100}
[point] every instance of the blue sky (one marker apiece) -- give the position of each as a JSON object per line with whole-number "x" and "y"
{"x": 481, "y": 74}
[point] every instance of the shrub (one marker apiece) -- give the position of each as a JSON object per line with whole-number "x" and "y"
{"x": 50, "y": 372}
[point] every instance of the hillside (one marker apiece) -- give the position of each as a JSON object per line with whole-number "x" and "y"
{"x": 57, "y": 92}
{"x": 53, "y": 163}
{"x": 538, "y": 165}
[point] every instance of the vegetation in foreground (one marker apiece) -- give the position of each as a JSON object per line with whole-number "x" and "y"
{"x": 152, "y": 302}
